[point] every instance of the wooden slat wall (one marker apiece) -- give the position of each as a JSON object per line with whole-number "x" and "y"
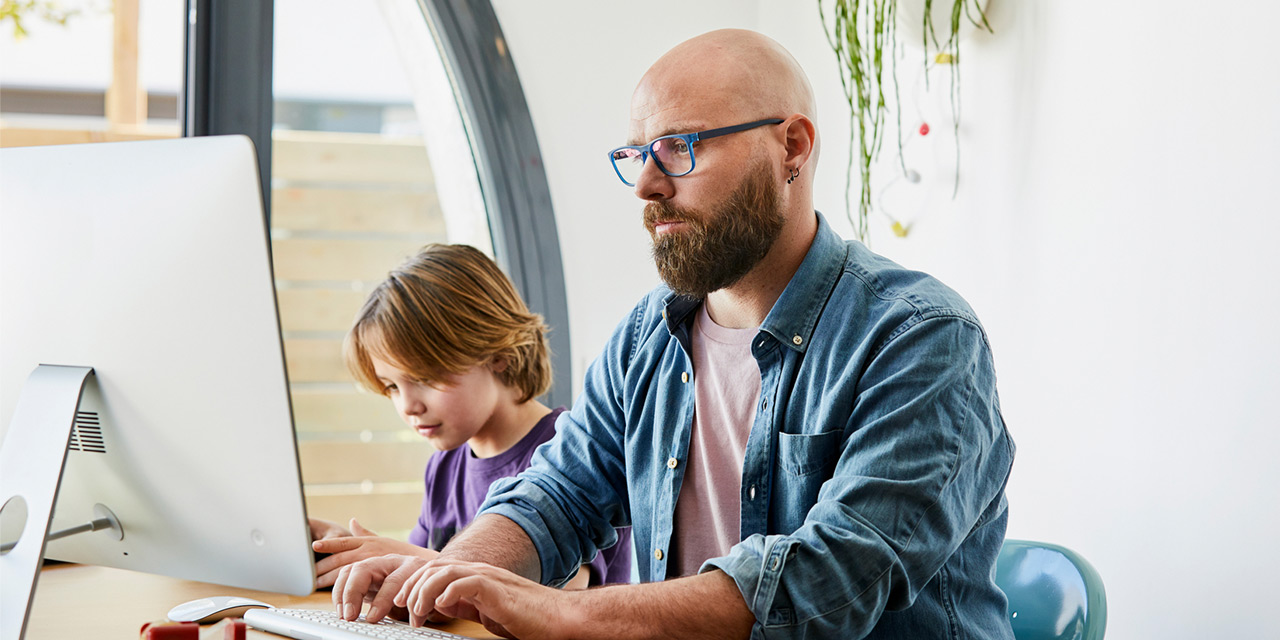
{"x": 346, "y": 209}
{"x": 376, "y": 462}
{"x": 319, "y": 309}
{"x": 390, "y": 514}
{"x": 349, "y": 411}
{"x": 35, "y": 137}
{"x": 354, "y": 210}
{"x": 306, "y": 259}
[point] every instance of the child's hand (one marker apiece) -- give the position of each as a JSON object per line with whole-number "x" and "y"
{"x": 324, "y": 530}
{"x": 354, "y": 548}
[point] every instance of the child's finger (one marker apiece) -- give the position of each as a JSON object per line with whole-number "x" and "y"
{"x": 327, "y": 579}
{"x": 359, "y": 530}
{"x": 334, "y": 545}
{"x": 336, "y": 561}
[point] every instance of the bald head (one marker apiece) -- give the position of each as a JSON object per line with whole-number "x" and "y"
{"x": 726, "y": 76}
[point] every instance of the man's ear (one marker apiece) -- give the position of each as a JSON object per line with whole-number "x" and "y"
{"x": 800, "y": 137}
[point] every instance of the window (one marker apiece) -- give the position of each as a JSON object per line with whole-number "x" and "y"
{"x": 90, "y": 71}
{"x": 370, "y": 161}
{"x": 394, "y": 123}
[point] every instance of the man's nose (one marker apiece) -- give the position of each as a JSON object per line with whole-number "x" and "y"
{"x": 653, "y": 184}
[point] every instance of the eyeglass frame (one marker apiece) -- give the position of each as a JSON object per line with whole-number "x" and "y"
{"x": 646, "y": 150}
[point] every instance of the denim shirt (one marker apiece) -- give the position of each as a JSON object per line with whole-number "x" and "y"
{"x": 873, "y": 485}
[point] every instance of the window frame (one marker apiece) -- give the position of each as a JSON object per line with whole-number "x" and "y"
{"x": 227, "y": 90}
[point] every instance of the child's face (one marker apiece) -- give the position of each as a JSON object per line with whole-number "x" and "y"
{"x": 445, "y": 412}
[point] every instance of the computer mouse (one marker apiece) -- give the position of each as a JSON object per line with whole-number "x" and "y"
{"x": 213, "y": 608}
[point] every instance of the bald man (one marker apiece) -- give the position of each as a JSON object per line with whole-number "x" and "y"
{"x": 804, "y": 436}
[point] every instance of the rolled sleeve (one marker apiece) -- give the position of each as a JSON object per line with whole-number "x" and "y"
{"x": 573, "y": 497}
{"x": 531, "y": 508}
{"x": 923, "y": 460}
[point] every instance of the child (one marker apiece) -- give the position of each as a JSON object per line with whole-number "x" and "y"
{"x": 449, "y": 341}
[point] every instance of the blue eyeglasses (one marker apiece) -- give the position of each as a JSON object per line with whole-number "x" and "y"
{"x": 673, "y": 153}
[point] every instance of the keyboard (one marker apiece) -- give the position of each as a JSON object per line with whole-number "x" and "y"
{"x": 323, "y": 624}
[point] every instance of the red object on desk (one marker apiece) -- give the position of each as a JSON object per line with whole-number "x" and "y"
{"x": 232, "y": 629}
{"x": 169, "y": 631}
{"x": 227, "y": 629}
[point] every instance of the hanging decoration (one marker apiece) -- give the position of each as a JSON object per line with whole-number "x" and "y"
{"x": 860, "y": 32}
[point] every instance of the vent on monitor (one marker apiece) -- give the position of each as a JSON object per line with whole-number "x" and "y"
{"x": 86, "y": 433}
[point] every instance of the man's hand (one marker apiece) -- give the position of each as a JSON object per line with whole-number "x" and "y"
{"x": 375, "y": 580}
{"x": 354, "y": 548}
{"x": 707, "y": 605}
{"x": 505, "y": 603}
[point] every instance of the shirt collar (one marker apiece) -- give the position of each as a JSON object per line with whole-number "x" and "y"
{"x": 794, "y": 315}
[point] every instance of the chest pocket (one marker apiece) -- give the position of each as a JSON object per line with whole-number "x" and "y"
{"x": 803, "y": 454}
{"x": 805, "y": 461}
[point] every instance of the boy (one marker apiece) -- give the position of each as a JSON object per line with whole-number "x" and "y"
{"x": 449, "y": 341}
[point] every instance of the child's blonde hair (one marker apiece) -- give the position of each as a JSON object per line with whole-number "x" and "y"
{"x": 444, "y": 311}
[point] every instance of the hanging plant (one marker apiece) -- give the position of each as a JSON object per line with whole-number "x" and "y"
{"x": 860, "y": 32}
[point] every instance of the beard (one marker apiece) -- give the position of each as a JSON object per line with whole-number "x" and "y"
{"x": 715, "y": 249}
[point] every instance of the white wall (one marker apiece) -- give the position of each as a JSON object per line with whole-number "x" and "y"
{"x": 1112, "y": 229}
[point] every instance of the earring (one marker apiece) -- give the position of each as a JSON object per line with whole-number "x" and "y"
{"x": 795, "y": 173}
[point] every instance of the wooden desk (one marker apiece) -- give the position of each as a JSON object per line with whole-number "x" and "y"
{"x": 74, "y": 602}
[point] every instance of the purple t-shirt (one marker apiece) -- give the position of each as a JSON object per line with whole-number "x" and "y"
{"x": 456, "y": 484}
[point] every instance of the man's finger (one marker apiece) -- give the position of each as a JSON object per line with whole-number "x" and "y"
{"x": 338, "y": 584}
{"x": 357, "y": 585}
{"x": 385, "y": 599}
{"x": 467, "y": 598}
{"x": 423, "y": 599}
{"x": 402, "y": 597}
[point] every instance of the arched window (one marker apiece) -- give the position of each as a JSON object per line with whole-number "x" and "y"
{"x": 357, "y": 173}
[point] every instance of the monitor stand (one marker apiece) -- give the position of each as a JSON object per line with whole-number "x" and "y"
{"x": 31, "y": 463}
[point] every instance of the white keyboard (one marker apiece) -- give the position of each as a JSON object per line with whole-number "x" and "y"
{"x": 324, "y": 624}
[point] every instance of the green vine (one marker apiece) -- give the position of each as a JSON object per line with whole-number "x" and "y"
{"x": 857, "y": 34}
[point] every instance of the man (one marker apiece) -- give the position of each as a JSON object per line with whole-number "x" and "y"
{"x": 805, "y": 437}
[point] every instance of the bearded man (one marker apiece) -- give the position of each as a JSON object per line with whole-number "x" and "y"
{"x": 804, "y": 436}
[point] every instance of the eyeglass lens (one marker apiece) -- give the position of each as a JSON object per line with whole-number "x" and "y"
{"x": 672, "y": 153}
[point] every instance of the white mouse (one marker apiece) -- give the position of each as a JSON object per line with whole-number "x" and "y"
{"x": 213, "y": 608}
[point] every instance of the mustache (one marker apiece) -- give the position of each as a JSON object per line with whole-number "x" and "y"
{"x": 656, "y": 212}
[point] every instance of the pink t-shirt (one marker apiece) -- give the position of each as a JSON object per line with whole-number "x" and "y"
{"x": 726, "y": 386}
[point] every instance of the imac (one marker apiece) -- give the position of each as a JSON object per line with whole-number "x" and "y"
{"x": 143, "y": 396}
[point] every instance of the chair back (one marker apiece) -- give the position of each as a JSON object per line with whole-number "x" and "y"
{"x": 1054, "y": 593}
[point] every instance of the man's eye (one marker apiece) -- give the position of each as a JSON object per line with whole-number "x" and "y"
{"x": 680, "y": 146}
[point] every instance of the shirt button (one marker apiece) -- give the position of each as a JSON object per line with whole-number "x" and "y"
{"x": 672, "y": 462}
{"x": 797, "y": 340}
{"x": 774, "y": 564}
{"x": 684, "y": 376}
{"x": 751, "y": 493}
{"x": 657, "y": 553}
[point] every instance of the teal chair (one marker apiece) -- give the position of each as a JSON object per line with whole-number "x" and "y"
{"x": 1054, "y": 593}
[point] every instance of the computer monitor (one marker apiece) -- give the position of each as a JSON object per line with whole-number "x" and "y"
{"x": 148, "y": 263}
